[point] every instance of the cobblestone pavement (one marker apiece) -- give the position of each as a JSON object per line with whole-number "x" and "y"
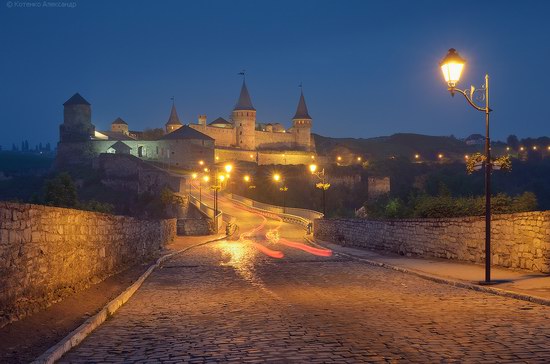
{"x": 230, "y": 302}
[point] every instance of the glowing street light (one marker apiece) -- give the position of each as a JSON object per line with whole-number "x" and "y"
{"x": 507, "y": 149}
{"x": 534, "y": 147}
{"x": 221, "y": 177}
{"x": 323, "y": 185}
{"x": 201, "y": 163}
{"x": 205, "y": 178}
{"x": 339, "y": 159}
{"x": 440, "y": 156}
{"x": 452, "y": 66}
{"x": 521, "y": 149}
{"x": 358, "y": 159}
{"x": 417, "y": 156}
{"x": 466, "y": 157}
{"x": 278, "y": 178}
{"x": 228, "y": 168}
{"x": 194, "y": 175}
{"x": 246, "y": 178}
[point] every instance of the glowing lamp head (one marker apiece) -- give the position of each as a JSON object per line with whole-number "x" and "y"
{"x": 416, "y": 156}
{"x": 312, "y": 168}
{"x": 217, "y": 158}
{"x": 466, "y": 157}
{"x": 246, "y": 178}
{"x": 338, "y": 158}
{"x": 228, "y": 168}
{"x": 534, "y": 147}
{"x": 221, "y": 177}
{"x": 452, "y": 66}
{"x": 206, "y": 178}
{"x": 276, "y": 177}
{"x": 194, "y": 175}
{"x": 522, "y": 149}
{"x": 359, "y": 159}
{"x": 440, "y": 156}
{"x": 201, "y": 163}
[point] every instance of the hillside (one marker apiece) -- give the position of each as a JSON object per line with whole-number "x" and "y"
{"x": 398, "y": 145}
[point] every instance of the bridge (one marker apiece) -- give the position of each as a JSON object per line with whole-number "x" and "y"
{"x": 266, "y": 293}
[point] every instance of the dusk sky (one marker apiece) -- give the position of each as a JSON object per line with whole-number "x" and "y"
{"x": 369, "y": 68}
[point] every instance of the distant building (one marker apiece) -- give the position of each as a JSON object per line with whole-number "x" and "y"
{"x": 184, "y": 145}
{"x": 475, "y": 139}
{"x": 378, "y": 186}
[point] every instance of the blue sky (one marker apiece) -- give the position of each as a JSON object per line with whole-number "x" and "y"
{"x": 369, "y": 68}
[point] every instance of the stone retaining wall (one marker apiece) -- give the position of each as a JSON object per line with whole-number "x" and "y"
{"x": 47, "y": 253}
{"x": 518, "y": 240}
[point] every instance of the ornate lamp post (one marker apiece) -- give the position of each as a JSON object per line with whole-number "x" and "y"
{"x": 452, "y": 66}
{"x": 323, "y": 185}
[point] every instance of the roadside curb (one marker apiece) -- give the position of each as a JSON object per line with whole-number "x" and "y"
{"x": 447, "y": 281}
{"x": 80, "y": 333}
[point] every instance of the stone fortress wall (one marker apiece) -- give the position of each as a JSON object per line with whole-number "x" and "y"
{"x": 225, "y": 137}
{"x": 519, "y": 240}
{"x": 47, "y": 253}
{"x": 267, "y": 157}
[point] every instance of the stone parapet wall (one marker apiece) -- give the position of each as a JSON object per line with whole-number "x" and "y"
{"x": 47, "y": 253}
{"x": 518, "y": 240}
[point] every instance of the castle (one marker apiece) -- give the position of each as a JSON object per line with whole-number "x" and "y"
{"x": 240, "y": 138}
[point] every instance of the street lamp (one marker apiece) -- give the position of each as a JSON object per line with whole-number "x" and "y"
{"x": 194, "y": 176}
{"x": 278, "y": 178}
{"x": 228, "y": 168}
{"x": 323, "y": 185}
{"x": 205, "y": 179}
{"x": 452, "y": 66}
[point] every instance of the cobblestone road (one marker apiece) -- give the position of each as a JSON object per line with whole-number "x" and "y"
{"x": 230, "y": 302}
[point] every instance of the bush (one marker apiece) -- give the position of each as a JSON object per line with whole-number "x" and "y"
{"x": 60, "y": 191}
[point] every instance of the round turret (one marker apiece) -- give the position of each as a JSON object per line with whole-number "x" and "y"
{"x": 244, "y": 119}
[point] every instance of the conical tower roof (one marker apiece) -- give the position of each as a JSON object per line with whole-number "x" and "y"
{"x": 119, "y": 121}
{"x": 174, "y": 119}
{"x": 244, "y": 102}
{"x": 76, "y": 99}
{"x": 301, "y": 110}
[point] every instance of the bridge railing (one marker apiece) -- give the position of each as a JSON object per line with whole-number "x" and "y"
{"x": 293, "y": 215}
{"x": 207, "y": 211}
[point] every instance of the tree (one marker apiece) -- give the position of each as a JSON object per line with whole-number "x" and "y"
{"x": 512, "y": 142}
{"x": 60, "y": 191}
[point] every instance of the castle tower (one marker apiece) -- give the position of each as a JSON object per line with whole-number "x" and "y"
{"x": 202, "y": 120}
{"x": 301, "y": 123}
{"x": 244, "y": 119}
{"x": 77, "y": 120}
{"x": 173, "y": 122}
{"x": 120, "y": 126}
